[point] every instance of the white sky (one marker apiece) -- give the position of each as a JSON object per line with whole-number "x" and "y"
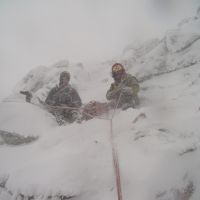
{"x": 42, "y": 32}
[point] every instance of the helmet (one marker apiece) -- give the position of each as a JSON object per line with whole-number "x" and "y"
{"x": 117, "y": 69}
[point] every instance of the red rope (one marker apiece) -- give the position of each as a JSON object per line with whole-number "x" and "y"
{"x": 115, "y": 163}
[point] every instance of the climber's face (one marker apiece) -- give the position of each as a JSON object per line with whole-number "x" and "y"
{"x": 64, "y": 81}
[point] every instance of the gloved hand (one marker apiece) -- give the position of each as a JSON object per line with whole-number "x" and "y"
{"x": 127, "y": 91}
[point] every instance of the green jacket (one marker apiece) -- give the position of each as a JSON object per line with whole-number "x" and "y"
{"x": 127, "y": 81}
{"x": 64, "y": 96}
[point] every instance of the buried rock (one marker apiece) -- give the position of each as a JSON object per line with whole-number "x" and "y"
{"x": 178, "y": 193}
{"x": 12, "y": 138}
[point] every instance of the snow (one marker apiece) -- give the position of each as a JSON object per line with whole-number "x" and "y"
{"x": 158, "y": 142}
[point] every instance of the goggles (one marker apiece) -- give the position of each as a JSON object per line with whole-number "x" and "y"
{"x": 64, "y": 75}
{"x": 117, "y": 74}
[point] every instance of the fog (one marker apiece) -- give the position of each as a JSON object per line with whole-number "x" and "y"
{"x": 43, "y": 32}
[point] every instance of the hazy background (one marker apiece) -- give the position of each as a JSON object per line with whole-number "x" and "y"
{"x": 42, "y": 32}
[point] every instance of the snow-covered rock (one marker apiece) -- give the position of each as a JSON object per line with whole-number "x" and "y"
{"x": 177, "y": 41}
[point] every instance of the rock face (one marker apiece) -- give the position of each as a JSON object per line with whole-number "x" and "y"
{"x": 176, "y": 41}
{"x": 177, "y": 49}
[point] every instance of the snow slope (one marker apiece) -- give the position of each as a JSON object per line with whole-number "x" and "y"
{"x": 158, "y": 142}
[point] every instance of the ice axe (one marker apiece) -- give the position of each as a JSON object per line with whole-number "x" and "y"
{"x": 28, "y": 95}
